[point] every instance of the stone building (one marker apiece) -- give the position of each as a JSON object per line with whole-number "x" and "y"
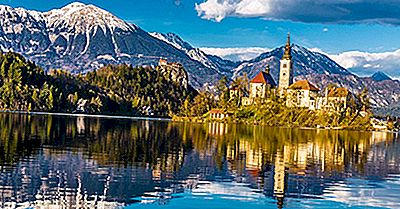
{"x": 262, "y": 86}
{"x": 338, "y": 97}
{"x": 302, "y": 94}
{"x": 335, "y": 99}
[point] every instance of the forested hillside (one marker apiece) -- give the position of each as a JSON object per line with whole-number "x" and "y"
{"x": 140, "y": 89}
{"x": 118, "y": 89}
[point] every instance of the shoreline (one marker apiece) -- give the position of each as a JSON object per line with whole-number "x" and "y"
{"x": 90, "y": 115}
{"x": 205, "y": 121}
{"x": 179, "y": 121}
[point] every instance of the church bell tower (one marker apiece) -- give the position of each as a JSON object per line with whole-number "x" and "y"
{"x": 286, "y": 68}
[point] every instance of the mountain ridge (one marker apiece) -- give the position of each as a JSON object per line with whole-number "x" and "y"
{"x": 82, "y": 38}
{"x": 94, "y": 42}
{"x": 214, "y": 62}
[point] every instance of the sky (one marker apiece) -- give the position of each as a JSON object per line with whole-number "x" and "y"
{"x": 359, "y": 34}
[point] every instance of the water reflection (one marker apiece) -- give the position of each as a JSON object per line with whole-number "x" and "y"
{"x": 78, "y": 162}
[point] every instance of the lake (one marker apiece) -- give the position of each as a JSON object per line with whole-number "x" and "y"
{"x": 50, "y": 161}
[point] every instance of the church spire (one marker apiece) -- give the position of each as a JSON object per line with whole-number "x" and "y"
{"x": 288, "y": 49}
{"x": 286, "y": 70}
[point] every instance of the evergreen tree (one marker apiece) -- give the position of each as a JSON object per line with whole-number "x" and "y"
{"x": 114, "y": 89}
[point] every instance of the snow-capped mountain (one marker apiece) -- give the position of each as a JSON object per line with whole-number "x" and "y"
{"x": 305, "y": 62}
{"x": 81, "y": 37}
{"x": 22, "y": 30}
{"x": 214, "y": 62}
{"x": 174, "y": 40}
{"x": 80, "y": 18}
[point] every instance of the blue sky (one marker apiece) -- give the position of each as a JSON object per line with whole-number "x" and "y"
{"x": 181, "y": 17}
{"x": 361, "y": 35}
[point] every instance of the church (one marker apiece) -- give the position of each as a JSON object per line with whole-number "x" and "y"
{"x": 302, "y": 94}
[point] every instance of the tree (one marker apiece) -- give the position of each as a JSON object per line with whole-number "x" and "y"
{"x": 362, "y": 104}
{"x": 203, "y": 103}
{"x": 223, "y": 91}
{"x": 241, "y": 85}
{"x": 120, "y": 89}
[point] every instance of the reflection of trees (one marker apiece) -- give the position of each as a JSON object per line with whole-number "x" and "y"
{"x": 256, "y": 152}
{"x": 14, "y": 140}
{"x": 164, "y": 153}
{"x": 331, "y": 150}
{"x": 120, "y": 142}
{"x": 164, "y": 145}
{"x": 106, "y": 155}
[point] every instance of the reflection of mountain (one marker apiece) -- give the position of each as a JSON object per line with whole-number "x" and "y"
{"x": 91, "y": 161}
{"x": 62, "y": 179}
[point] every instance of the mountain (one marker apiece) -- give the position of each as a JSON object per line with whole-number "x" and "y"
{"x": 380, "y": 76}
{"x": 81, "y": 38}
{"x": 320, "y": 70}
{"x": 305, "y": 62}
{"x": 213, "y": 62}
{"x": 174, "y": 40}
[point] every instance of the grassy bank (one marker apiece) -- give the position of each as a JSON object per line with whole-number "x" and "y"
{"x": 275, "y": 113}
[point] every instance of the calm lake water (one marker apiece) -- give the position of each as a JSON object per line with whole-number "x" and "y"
{"x": 78, "y": 162}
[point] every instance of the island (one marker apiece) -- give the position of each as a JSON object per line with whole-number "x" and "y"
{"x": 289, "y": 104}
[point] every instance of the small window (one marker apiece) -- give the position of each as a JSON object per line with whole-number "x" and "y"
{"x": 284, "y": 74}
{"x": 284, "y": 65}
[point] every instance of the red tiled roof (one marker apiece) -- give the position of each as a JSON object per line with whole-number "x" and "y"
{"x": 217, "y": 111}
{"x": 303, "y": 85}
{"x": 265, "y": 78}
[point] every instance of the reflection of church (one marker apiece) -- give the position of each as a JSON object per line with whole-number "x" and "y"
{"x": 280, "y": 178}
{"x": 295, "y": 168}
{"x": 277, "y": 163}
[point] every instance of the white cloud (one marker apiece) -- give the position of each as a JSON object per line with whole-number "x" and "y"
{"x": 321, "y": 11}
{"x": 360, "y": 63}
{"x": 236, "y": 54}
{"x": 219, "y": 9}
{"x": 365, "y": 63}
{"x": 325, "y": 29}
{"x": 214, "y": 9}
